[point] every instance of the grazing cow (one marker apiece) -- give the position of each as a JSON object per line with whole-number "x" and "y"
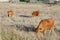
{"x": 51, "y": 4}
{"x": 35, "y": 13}
{"x": 10, "y": 13}
{"x": 44, "y": 25}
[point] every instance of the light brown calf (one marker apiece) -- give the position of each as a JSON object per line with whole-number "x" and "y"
{"x": 46, "y": 24}
{"x": 35, "y": 13}
{"x": 10, "y": 13}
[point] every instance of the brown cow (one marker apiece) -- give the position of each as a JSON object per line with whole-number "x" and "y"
{"x": 10, "y": 13}
{"x": 46, "y": 24}
{"x": 35, "y": 13}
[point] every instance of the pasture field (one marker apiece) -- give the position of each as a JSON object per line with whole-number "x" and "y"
{"x": 22, "y": 24}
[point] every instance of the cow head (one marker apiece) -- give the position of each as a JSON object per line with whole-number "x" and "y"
{"x": 38, "y": 29}
{"x": 35, "y": 13}
{"x": 10, "y": 13}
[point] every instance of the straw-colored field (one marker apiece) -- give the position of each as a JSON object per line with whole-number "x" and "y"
{"x": 21, "y": 26}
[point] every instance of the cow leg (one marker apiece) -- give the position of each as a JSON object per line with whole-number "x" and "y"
{"x": 52, "y": 28}
{"x": 44, "y": 31}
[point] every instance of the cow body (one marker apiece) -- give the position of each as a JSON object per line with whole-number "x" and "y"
{"x": 35, "y": 13}
{"x": 46, "y": 24}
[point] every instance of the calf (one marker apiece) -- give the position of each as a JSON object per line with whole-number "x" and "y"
{"x": 10, "y": 13}
{"x": 46, "y": 24}
{"x": 35, "y": 13}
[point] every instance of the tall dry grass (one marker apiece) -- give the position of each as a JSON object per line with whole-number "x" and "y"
{"x": 11, "y": 32}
